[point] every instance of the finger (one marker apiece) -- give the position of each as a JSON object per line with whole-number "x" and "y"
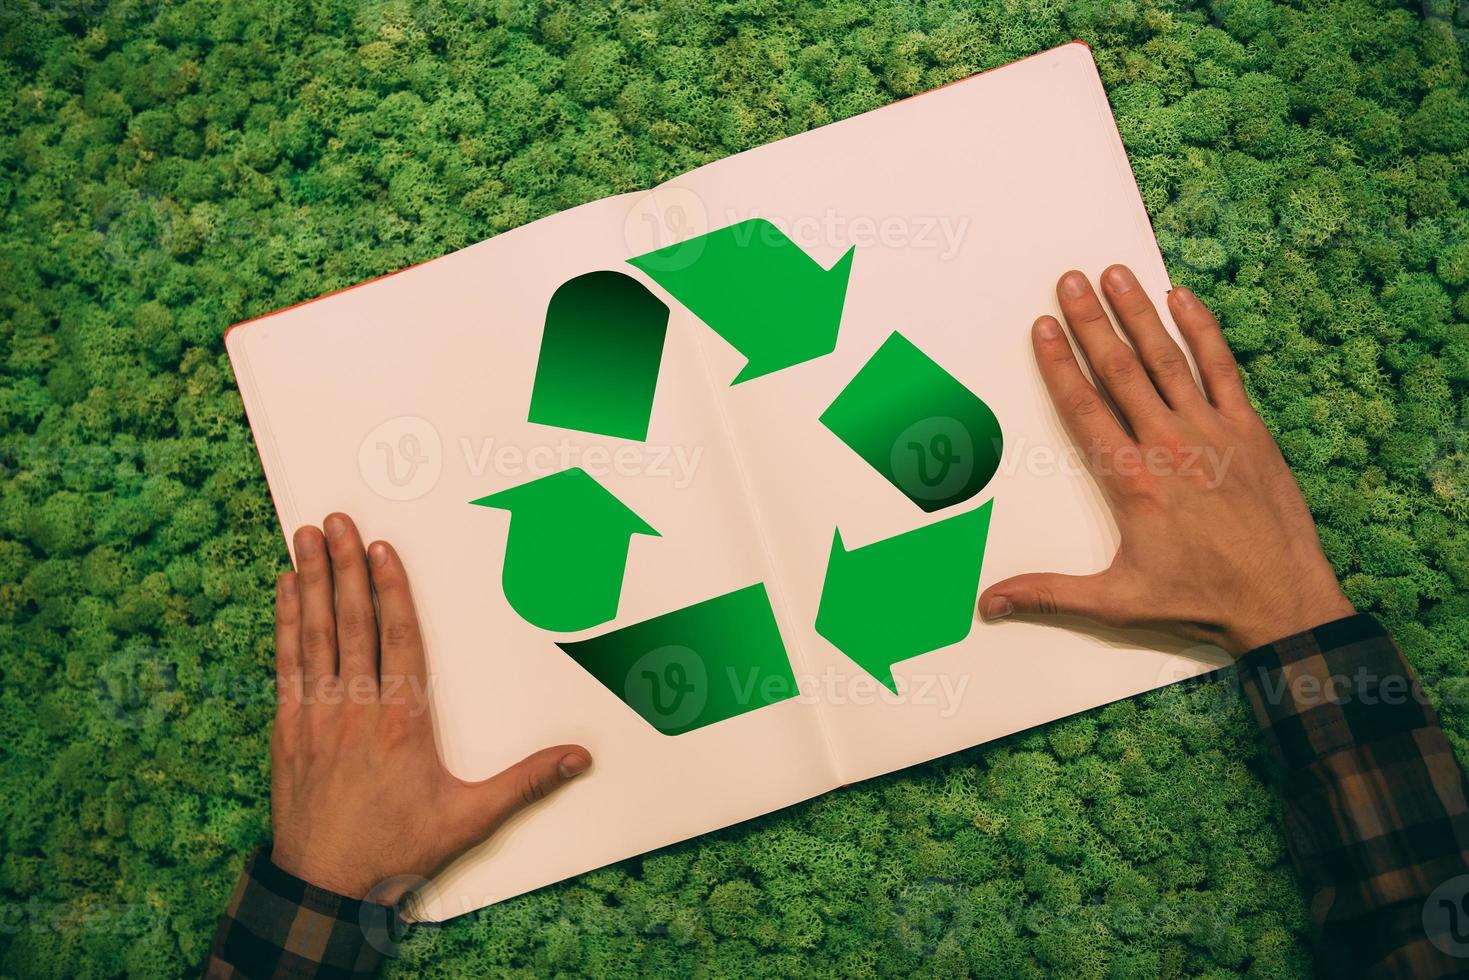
{"x": 287, "y": 646}
{"x": 318, "y": 612}
{"x": 403, "y": 668}
{"x": 486, "y": 805}
{"x": 1114, "y": 363}
{"x": 285, "y": 757}
{"x": 1049, "y": 594}
{"x": 1163, "y": 358}
{"x": 356, "y": 618}
{"x": 1090, "y": 422}
{"x": 1217, "y": 365}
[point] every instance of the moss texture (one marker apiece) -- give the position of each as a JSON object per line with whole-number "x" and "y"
{"x": 169, "y": 168}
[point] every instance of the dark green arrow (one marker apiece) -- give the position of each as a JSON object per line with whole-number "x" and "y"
{"x": 758, "y": 290}
{"x": 694, "y": 666}
{"x": 566, "y": 551}
{"x": 917, "y": 425}
{"x": 905, "y": 595}
{"x": 600, "y": 352}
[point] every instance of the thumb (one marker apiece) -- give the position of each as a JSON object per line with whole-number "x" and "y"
{"x": 1047, "y": 594}
{"x": 489, "y": 803}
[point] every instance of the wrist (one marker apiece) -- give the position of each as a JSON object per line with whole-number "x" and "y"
{"x": 1297, "y": 614}
{"x": 338, "y": 881}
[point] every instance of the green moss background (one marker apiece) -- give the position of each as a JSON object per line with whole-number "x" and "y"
{"x": 167, "y": 169}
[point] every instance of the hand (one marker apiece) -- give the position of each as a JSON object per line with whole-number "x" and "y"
{"x": 1217, "y": 542}
{"x": 357, "y": 792}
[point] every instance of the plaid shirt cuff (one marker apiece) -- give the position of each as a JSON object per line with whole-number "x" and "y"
{"x": 280, "y": 926}
{"x": 1335, "y": 687}
{"x": 1374, "y": 800}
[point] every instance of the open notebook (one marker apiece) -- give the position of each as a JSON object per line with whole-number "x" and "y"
{"x": 716, "y": 598}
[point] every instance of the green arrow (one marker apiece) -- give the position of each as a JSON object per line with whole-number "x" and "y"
{"x": 905, "y": 595}
{"x": 600, "y": 352}
{"x": 566, "y": 551}
{"x": 917, "y": 425}
{"x": 694, "y": 666}
{"x": 758, "y": 290}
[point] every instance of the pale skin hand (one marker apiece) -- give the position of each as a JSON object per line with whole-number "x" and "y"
{"x": 358, "y": 795}
{"x": 1217, "y": 544}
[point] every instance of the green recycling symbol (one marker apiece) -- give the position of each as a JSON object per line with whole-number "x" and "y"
{"x": 929, "y": 436}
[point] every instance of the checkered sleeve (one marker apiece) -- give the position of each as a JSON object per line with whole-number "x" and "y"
{"x": 280, "y": 926}
{"x": 1374, "y": 801}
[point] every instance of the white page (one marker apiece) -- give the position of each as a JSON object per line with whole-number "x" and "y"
{"x": 454, "y": 343}
{"x": 965, "y": 204}
{"x": 445, "y": 353}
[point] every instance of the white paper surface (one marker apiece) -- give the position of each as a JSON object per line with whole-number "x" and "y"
{"x": 400, "y": 400}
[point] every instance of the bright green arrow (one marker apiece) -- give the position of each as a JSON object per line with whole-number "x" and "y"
{"x": 904, "y": 595}
{"x": 758, "y": 290}
{"x": 917, "y": 425}
{"x": 566, "y": 550}
{"x": 694, "y": 666}
{"x": 600, "y": 352}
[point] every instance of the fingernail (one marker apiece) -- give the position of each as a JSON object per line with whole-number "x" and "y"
{"x": 1073, "y": 285}
{"x": 307, "y": 544}
{"x": 336, "y": 525}
{"x": 1184, "y": 295}
{"x": 998, "y": 607}
{"x": 1047, "y": 329}
{"x": 378, "y": 553}
{"x": 1120, "y": 279}
{"x": 573, "y": 765}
